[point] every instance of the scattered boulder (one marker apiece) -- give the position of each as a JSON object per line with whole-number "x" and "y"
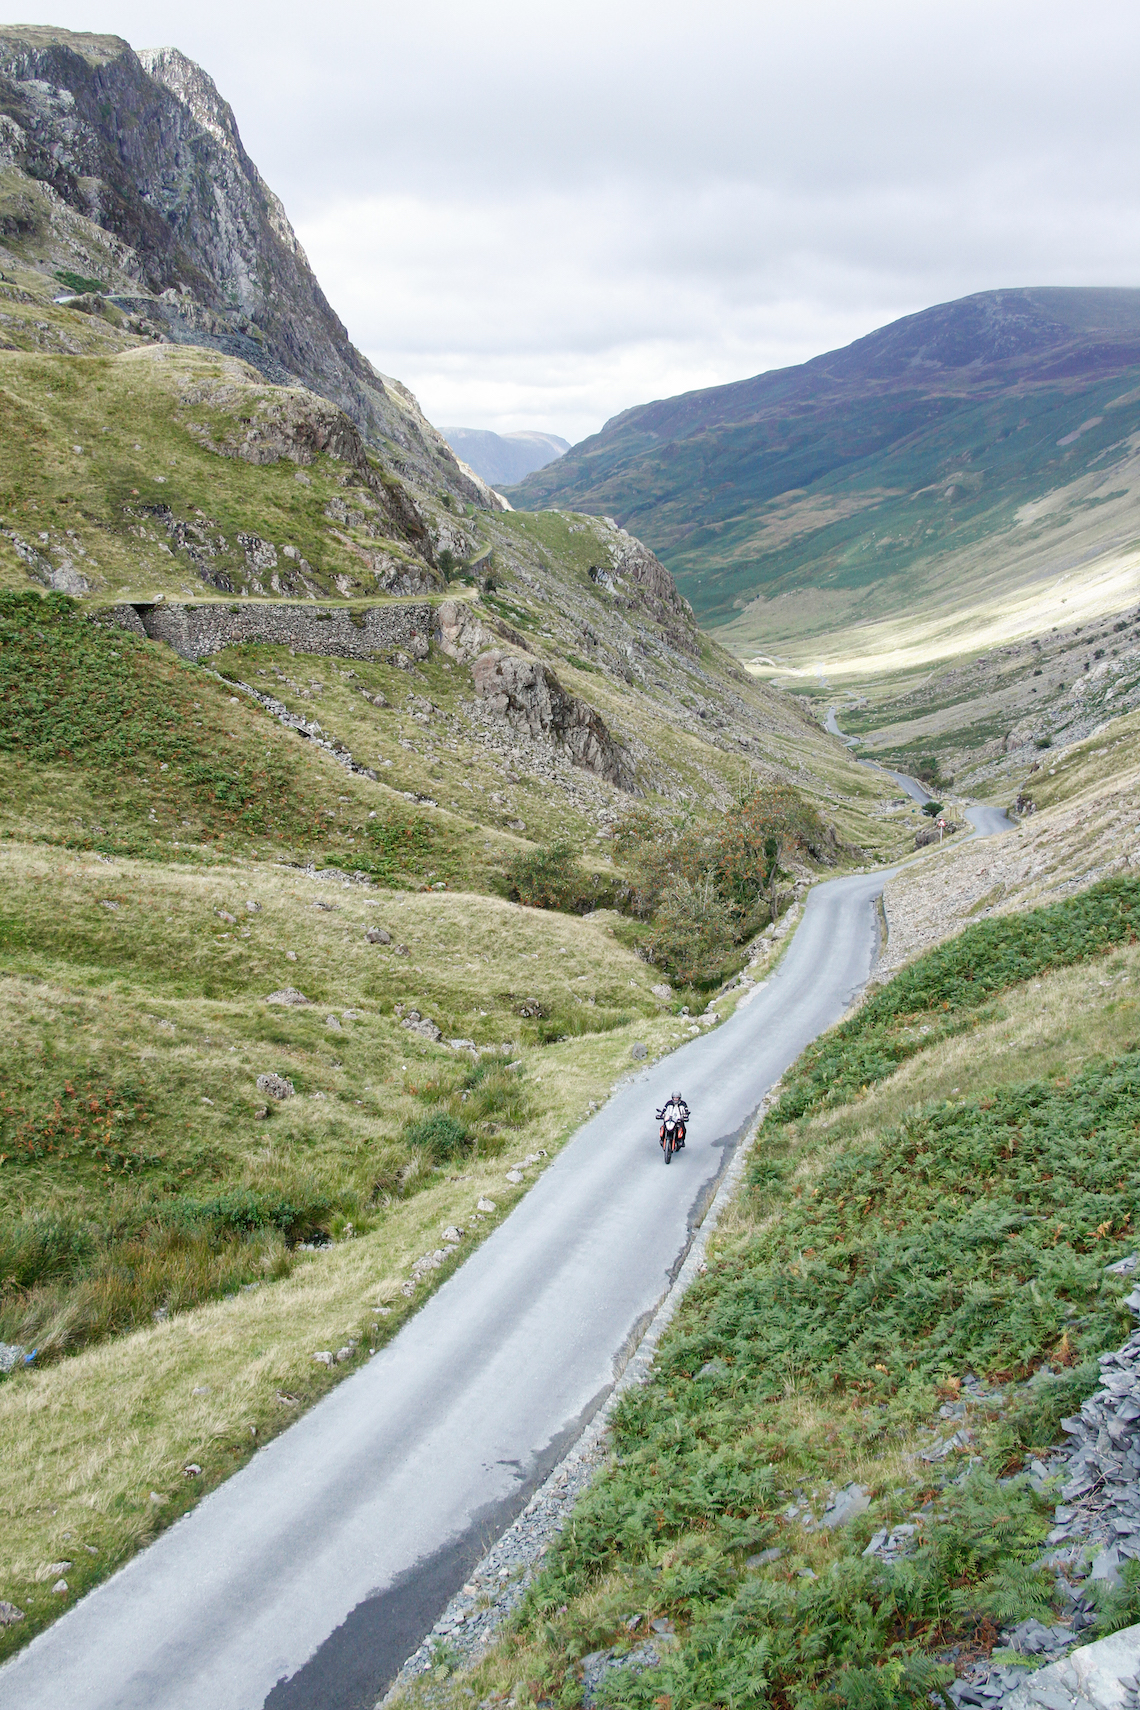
{"x": 845, "y": 1505}
{"x": 9, "y": 1614}
{"x": 514, "y": 1176}
{"x": 275, "y": 1086}
{"x": 377, "y": 935}
{"x": 325, "y": 1357}
{"x": 639, "y": 1052}
{"x": 253, "y": 907}
{"x": 421, "y": 1024}
{"x": 486, "y": 1205}
{"x": 289, "y": 996}
{"x": 662, "y": 992}
{"x": 222, "y": 914}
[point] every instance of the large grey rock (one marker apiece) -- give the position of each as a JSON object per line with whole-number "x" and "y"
{"x": 1101, "y": 1676}
{"x": 289, "y": 996}
{"x": 460, "y": 633}
{"x": 11, "y": 1354}
{"x": 528, "y": 696}
{"x": 9, "y": 1614}
{"x": 275, "y": 1086}
{"x": 845, "y": 1505}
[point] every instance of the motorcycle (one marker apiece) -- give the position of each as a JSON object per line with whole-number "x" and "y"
{"x": 672, "y": 1132}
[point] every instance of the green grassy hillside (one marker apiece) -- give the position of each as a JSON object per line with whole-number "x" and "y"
{"x": 943, "y": 464}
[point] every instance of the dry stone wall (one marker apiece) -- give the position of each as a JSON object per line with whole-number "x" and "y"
{"x": 197, "y": 631}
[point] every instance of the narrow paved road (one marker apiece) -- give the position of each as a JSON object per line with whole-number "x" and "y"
{"x": 309, "y": 1576}
{"x": 986, "y": 821}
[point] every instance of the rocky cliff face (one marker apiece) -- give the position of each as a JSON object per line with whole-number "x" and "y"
{"x": 144, "y": 148}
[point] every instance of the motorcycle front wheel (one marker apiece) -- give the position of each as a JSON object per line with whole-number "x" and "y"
{"x": 667, "y": 1148}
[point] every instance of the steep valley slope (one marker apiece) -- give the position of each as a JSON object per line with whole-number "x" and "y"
{"x": 295, "y": 717}
{"x": 928, "y": 491}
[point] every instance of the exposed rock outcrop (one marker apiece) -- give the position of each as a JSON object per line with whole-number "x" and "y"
{"x": 299, "y": 426}
{"x": 144, "y": 148}
{"x": 632, "y": 562}
{"x": 530, "y": 698}
{"x": 460, "y": 633}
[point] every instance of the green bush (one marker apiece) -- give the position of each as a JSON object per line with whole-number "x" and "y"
{"x": 439, "y": 1135}
{"x": 79, "y": 283}
{"x": 547, "y": 877}
{"x": 693, "y": 934}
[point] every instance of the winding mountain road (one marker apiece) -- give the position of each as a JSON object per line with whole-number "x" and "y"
{"x": 304, "y": 1581}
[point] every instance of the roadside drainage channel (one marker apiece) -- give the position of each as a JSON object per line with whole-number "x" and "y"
{"x": 499, "y": 1583}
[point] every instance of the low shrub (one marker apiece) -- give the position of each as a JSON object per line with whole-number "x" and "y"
{"x": 693, "y": 933}
{"x": 547, "y": 877}
{"x": 439, "y": 1135}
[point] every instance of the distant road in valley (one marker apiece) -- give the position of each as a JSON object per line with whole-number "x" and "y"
{"x": 305, "y": 1580}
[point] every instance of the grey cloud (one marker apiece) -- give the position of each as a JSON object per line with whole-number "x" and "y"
{"x": 539, "y": 216}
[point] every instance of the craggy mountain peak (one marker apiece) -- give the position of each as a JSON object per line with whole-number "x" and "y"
{"x": 144, "y": 150}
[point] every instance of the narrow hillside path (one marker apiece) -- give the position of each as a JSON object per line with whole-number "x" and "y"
{"x": 305, "y": 1580}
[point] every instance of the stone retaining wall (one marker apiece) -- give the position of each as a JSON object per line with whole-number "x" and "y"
{"x": 197, "y": 631}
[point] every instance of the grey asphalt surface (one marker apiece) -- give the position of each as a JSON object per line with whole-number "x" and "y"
{"x": 986, "y": 821}
{"x": 306, "y": 1579}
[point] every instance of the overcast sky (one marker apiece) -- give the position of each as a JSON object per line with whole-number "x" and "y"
{"x": 537, "y": 215}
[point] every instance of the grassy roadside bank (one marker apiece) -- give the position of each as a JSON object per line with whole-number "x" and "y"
{"x": 920, "y": 1256}
{"x": 173, "y": 1196}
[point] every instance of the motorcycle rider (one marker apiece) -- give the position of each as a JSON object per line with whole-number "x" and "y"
{"x": 675, "y": 1111}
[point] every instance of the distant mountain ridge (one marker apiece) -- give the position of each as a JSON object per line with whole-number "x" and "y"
{"x": 501, "y": 458}
{"x": 159, "y": 201}
{"x": 847, "y": 481}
